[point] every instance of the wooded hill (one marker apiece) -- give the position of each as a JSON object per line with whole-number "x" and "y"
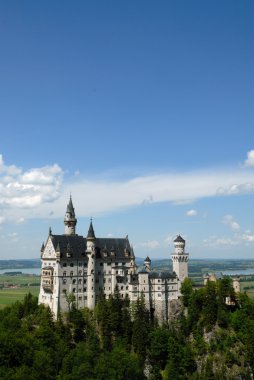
{"x": 210, "y": 339}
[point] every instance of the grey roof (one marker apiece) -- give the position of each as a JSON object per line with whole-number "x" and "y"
{"x": 113, "y": 244}
{"x": 147, "y": 259}
{"x": 70, "y": 208}
{"x": 90, "y": 233}
{"x": 179, "y": 239}
{"x": 76, "y": 245}
{"x": 162, "y": 275}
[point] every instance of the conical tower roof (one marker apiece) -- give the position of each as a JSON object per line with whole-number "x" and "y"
{"x": 90, "y": 234}
{"x": 70, "y": 208}
{"x": 179, "y": 239}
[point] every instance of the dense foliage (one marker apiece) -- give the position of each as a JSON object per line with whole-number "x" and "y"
{"x": 212, "y": 339}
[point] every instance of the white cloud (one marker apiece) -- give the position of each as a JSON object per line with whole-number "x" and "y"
{"x": 12, "y": 234}
{"x": 38, "y": 192}
{"x": 250, "y": 159}
{"x": 191, "y": 212}
{"x": 248, "y": 237}
{"x": 150, "y": 244}
{"x": 2, "y": 219}
{"x": 20, "y": 220}
{"x": 230, "y": 221}
{"x": 28, "y": 189}
{"x": 221, "y": 242}
{"x": 168, "y": 239}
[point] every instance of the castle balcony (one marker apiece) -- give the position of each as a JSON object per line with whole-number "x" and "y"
{"x": 47, "y": 279}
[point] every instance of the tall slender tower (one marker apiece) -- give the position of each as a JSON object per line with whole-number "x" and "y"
{"x": 91, "y": 254}
{"x": 70, "y": 220}
{"x": 180, "y": 259}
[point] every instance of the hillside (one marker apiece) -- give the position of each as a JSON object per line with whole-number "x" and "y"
{"x": 209, "y": 340}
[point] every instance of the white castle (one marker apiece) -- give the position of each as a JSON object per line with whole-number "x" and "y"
{"x": 89, "y": 266}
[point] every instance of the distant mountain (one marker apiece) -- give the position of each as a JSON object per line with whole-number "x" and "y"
{"x": 19, "y": 264}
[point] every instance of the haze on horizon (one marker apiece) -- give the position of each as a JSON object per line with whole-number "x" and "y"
{"x": 142, "y": 111}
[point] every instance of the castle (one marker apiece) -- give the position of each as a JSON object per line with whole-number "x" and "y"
{"x": 88, "y": 266}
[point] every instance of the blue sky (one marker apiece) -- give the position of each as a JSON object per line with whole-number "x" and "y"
{"x": 142, "y": 110}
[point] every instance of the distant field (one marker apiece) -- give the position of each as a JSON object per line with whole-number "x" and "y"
{"x": 9, "y": 296}
{"x": 27, "y": 283}
{"x": 19, "y": 279}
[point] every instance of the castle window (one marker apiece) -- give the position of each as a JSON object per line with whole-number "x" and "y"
{"x": 121, "y": 287}
{"x": 122, "y": 295}
{"x": 85, "y": 298}
{"x": 116, "y": 271}
{"x": 101, "y": 264}
{"x": 71, "y": 274}
{"x": 84, "y": 289}
{"x": 159, "y": 280}
{"x": 127, "y": 287}
{"x": 80, "y": 298}
{"x": 84, "y": 281}
{"x": 74, "y": 281}
{"x": 73, "y": 290}
{"x": 85, "y": 264}
{"x": 99, "y": 272}
{"x": 80, "y": 281}
{"x": 80, "y": 264}
{"x": 159, "y": 288}
{"x": 144, "y": 288}
{"x": 64, "y": 273}
{"x": 64, "y": 281}
{"x": 116, "y": 264}
{"x": 104, "y": 280}
{"x": 109, "y": 272}
{"x": 71, "y": 264}
{"x": 64, "y": 290}
{"x": 64, "y": 264}
{"x": 144, "y": 280}
{"x": 123, "y": 263}
{"x": 109, "y": 280}
{"x": 159, "y": 295}
{"x": 80, "y": 272}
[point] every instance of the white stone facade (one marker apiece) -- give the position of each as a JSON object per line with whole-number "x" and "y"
{"x": 88, "y": 267}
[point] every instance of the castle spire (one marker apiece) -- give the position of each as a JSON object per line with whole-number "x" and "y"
{"x": 90, "y": 233}
{"x": 70, "y": 220}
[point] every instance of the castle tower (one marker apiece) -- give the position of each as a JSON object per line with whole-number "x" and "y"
{"x": 147, "y": 264}
{"x": 91, "y": 254}
{"x": 236, "y": 284}
{"x": 180, "y": 259}
{"x": 70, "y": 220}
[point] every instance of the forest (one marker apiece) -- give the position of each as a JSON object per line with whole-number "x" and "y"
{"x": 212, "y": 338}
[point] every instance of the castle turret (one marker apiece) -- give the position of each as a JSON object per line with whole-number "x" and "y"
{"x": 70, "y": 220}
{"x": 180, "y": 259}
{"x": 90, "y": 251}
{"x": 147, "y": 264}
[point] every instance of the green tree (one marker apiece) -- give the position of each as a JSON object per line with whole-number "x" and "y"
{"x": 140, "y": 330}
{"x": 186, "y": 291}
